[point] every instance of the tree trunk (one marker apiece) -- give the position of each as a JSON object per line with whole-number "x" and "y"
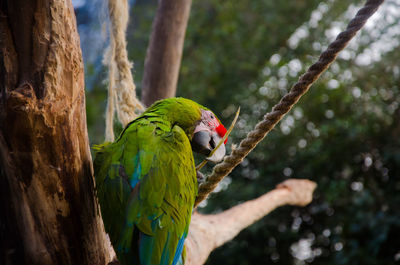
{"x": 47, "y": 203}
{"x": 163, "y": 58}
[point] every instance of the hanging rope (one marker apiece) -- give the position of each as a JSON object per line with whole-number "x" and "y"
{"x": 287, "y": 102}
{"x": 121, "y": 88}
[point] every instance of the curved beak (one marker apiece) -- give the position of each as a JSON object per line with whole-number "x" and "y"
{"x": 204, "y": 142}
{"x": 220, "y": 152}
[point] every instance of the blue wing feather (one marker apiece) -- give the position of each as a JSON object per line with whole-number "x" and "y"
{"x": 179, "y": 249}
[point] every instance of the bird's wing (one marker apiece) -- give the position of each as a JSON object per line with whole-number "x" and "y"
{"x": 151, "y": 176}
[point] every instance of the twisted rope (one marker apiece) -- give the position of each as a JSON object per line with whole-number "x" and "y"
{"x": 284, "y": 106}
{"x": 121, "y": 90}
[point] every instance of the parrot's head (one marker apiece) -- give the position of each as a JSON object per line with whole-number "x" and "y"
{"x": 208, "y": 132}
{"x": 203, "y": 128}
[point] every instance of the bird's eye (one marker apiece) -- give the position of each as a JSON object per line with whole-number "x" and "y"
{"x": 212, "y": 116}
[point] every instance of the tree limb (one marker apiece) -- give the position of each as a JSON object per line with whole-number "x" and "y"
{"x": 207, "y": 232}
{"x": 163, "y": 58}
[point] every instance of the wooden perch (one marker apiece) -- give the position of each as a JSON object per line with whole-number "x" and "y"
{"x": 207, "y": 232}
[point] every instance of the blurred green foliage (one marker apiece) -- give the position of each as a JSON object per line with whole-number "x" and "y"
{"x": 343, "y": 134}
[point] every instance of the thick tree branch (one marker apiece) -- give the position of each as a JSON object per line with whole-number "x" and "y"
{"x": 163, "y": 58}
{"x": 208, "y": 232}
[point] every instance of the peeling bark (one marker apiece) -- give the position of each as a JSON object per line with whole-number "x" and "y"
{"x": 48, "y": 208}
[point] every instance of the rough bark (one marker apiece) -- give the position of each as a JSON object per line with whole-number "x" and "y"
{"x": 47, "y": 203}
{"x": 163, "y": 58}
{"x": 208, "y": 232}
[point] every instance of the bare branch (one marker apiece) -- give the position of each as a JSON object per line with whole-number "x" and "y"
{"x": 163, "y": 58}
{"x": 208, "y": 232}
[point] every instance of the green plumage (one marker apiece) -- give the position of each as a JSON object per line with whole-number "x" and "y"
{"x": 146, "y": 183}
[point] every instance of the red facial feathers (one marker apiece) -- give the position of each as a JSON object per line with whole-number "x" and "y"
{"x": 221, "y": 131}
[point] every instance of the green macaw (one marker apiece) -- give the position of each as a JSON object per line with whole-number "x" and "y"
{"x": 146, "y": 180}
